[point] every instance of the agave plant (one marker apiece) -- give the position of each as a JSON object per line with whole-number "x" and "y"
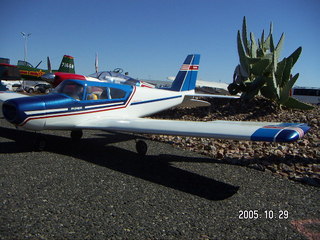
{"x": 261, "y": 73}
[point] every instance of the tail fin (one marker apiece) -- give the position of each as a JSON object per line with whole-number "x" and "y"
{"x": 187, "y": 76}
{"x": 67, "y": 64}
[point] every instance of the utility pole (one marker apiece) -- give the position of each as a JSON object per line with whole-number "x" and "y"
{"x": 25, "y": 36}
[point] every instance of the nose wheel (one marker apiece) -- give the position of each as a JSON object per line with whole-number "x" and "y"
{"x": 141, "y": 147}
{"x": 39, "y": 143}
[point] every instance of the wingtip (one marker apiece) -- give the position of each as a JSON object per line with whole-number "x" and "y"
{"x": 294, "y": 133}
{"x": 285, "y": 132}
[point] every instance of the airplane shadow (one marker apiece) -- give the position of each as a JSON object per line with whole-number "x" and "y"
{"x": 156, "y": 168}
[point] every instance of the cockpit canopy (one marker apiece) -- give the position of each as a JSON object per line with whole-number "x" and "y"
{"x": 116, "y": 77}
{"x": 88, "y": 90}
{"x": 108, "y": 75}
{"x": 24, "y": 63}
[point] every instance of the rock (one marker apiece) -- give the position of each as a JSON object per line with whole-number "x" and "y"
{"x": 285, "y": 168}
{"x": 314, "y": 121}
{"x": 278, "y": 153}
{"x": 257, "y": 166}
{"x": 242, "y": 147}
{"x": 220, "y": 154}
{"x": 304, "y": 142}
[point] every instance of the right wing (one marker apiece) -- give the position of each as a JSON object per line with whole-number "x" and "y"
{"x": 252, "y": 131}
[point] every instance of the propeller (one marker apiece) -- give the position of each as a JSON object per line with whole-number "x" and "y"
{"x": 49, "y": 77}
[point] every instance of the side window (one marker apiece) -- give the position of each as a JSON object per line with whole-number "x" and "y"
{"x": 116, "y": 93}
{"x": 99, "y": 93}
{"x": 96, "y": 93}
{"x": 71, "y": 89}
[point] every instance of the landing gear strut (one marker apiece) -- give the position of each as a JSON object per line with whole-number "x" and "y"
{"x": 39, "y": 143}
{"x": 141, "y": 147}
{"x": 76, "y": 135}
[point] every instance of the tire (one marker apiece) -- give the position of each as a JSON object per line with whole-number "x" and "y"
{"x": 76, "y": 135}
{"x": 141, "y": 147}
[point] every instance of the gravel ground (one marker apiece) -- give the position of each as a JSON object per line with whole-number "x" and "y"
{"x": 299, "y": 161}
{"x": 100, "y": 188}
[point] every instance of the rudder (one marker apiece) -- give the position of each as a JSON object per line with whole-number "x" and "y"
{"x": 187, "y": 76}
{"x": 67, "y": 64}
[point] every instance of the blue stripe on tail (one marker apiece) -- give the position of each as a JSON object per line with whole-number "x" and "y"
{"x": 187, "y": 76}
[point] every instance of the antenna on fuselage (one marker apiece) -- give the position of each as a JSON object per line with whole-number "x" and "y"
{"x": 96, "y": 63}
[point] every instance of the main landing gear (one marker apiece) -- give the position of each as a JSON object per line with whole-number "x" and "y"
{"x": 76, "y": 135}
{"x": 40, "y": 142}
{"x": 141, "y": 146}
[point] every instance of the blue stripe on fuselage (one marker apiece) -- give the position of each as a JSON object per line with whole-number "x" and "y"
{"x": 156, "y": 100}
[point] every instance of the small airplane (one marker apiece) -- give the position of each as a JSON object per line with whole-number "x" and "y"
{"x": 114, "y": 76}
{"x": 28, "y": 72}
{"x": 77, "y": 105}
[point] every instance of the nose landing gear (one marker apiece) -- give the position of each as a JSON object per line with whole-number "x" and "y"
{"x": 76, "y": 135}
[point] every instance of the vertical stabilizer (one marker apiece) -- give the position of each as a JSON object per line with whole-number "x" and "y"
{"x": 187, "y": 76}
{"x": 67, "y": 64}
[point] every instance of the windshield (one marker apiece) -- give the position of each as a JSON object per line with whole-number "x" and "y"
{"x": 107, "y": 75}
{"x": 24, "y": 63}
{"x": 71, "y": 89}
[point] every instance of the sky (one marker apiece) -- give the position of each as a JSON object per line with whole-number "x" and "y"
{"x": 151, "y": 38}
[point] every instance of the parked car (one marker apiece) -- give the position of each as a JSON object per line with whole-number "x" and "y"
{"x": 39, "y": 88}
{"x": 42, "y": 88}
{"x": 17, "y": 87}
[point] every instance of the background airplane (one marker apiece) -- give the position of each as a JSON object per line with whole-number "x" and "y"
{"x": 78, "y": 105}
{"x": 26, "y": 71}
{"x": 115, "y": 76}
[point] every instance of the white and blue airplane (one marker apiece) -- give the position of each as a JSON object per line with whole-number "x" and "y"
{"x": 77, "y": 105}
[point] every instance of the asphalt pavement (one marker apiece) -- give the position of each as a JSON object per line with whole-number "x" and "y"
{"x": 100, "y": 188}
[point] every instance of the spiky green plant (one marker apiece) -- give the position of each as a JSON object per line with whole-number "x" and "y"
{"x": 261, "y": 73}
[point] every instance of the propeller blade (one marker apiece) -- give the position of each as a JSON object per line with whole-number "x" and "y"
{"x": 49, "y": 65}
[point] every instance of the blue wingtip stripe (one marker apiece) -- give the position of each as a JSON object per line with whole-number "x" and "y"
{"x": 285, "y": 132}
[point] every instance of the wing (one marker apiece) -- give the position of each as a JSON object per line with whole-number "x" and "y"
{"x": 254, "y": 131}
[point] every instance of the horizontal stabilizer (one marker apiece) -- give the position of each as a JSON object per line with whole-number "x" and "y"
{"x": 252, "y": 131}
{"x": 191, "y": 103}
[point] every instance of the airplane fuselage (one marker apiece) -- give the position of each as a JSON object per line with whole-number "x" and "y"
{"x": 94, "y": 100}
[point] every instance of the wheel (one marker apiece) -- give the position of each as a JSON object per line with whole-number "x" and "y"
{"x": 76, "y": 135}
{"x": 30, "y": 91}
{"x": 141, "y": 147}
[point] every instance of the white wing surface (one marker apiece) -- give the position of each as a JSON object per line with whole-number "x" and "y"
{"x": 253, "y": 131}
